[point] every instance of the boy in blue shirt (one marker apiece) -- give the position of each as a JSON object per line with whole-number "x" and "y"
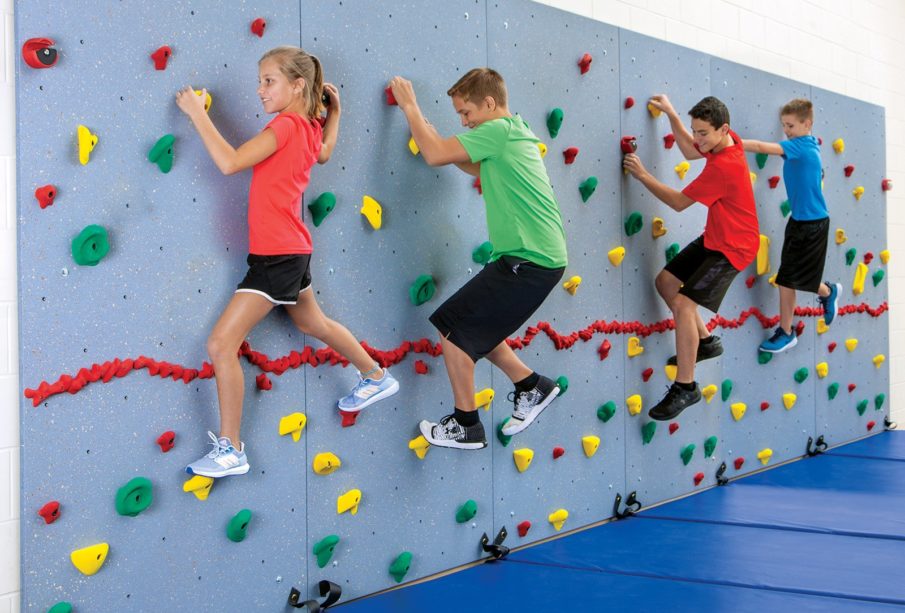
{"x": 805, "y": 242}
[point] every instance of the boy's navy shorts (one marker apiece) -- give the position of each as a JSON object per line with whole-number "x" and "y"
{"x": 804, "y": 254}
{"x": 705, "y": 274}
{"x": 494, "y": 304}
{"x": 278, "y": 278}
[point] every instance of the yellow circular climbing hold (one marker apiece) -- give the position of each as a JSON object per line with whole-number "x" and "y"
{"x": 838, "y": 145}
{"x": 325, "y": 463}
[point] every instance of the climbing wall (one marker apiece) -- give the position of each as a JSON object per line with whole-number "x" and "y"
{"x": 137, "y": 321}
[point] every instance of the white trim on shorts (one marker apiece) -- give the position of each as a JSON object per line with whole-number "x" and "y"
{"x": 269, "y": 297}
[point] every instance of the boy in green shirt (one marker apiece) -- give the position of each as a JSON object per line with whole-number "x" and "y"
{"x": 529, "y": 251}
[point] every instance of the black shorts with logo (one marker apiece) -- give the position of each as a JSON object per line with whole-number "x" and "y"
{"x": 494, "y": 304}
{"x": 705, "y": 274}
{"x": 804, "y": 254}
{"x": 278, "y": 278}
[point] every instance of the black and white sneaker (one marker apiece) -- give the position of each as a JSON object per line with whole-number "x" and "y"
{"x": 528, "y": 405}
{"x": 676, "y": 400}
{"x": 710, "y": 349}
{"x": 450, "y": 433}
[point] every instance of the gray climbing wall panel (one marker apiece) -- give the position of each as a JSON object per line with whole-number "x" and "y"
{"x": 178, "y": 248}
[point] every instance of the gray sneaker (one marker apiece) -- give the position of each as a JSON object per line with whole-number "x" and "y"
{"x": 223, "y": 460}
{"x": 528, "y": 405}
{"x": 450, "y": 433}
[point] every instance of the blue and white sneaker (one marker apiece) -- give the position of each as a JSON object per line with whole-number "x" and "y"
{"x": 830, "y": 304}
{"x": 368, "y": 391}
{"x": 223, "y": 460}
{"x": 779, "y": 342}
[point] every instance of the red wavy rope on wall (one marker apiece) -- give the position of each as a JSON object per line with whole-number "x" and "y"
{"x": 316, "y": 357}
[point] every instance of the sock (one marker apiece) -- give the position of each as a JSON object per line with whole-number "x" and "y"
{"x": 466, "y": 418}
{"x": 686, "y": 386}
{"x": 527, "y": 383}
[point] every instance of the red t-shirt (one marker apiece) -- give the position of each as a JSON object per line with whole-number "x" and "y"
{"x": 275, "y": 197}
{"x": 724, "y": 187}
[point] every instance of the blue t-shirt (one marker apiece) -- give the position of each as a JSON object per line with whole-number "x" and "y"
{"x": 802, "y": 174}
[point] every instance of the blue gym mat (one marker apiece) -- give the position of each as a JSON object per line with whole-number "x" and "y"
{"x": 886, "y": 446}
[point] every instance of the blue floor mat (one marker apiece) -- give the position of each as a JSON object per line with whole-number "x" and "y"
{"x": 885, "y": 446}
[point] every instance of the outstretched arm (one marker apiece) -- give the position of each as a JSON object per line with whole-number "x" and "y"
{"x": 674, "y": 199}
{"x": 759, "y": 146}
{"x": 436, "y": 150}
{"x": 683, "y": 136}
{"x": 331, "y": 125}
{"x": 227, "y": 158}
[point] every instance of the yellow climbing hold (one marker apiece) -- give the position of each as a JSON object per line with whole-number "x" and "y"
{"x": 860, "y": 277}
{"x": 671, "y": 370}
{"x": 858, "y": 192}
{"x": 788, "y": 400}
{"x": 654, "y": 111}
{"x": 851, "y": 344}
{"x": 681, "y": 168}
{"x": 543, "y": 150}
{"x": 822, "y": 369}
{"x": 616, "y": 255}
{"x": 419, "y": 446}
{"x": 558, "y": 518}
{"x": 884, "y": 256}
{"x": 590, "y": 444}
{"x": 293, "y": 424}
{"x": 199, "y": 485}
{"x": 838, "y": 145}
{"x": 371, "y": 209}
{"x": 208, "y": 101}
{"x": 738, "y": 410}
{"x": 483, "y": 398}
{"x": 90, "y": 559}
{"x": 572, "y": 284}
{"x": 821, "y": 326}
{"x": 348, "y": 502}
{"x": 772, "y": 279}
{"x": 840, "y": 236}
{"x": 523, "y": 458}
{"x": 878, "y": 360}
{"x": 634, "y": 346}
{"x": 657, "y": 229}
{"x": 763, "y": 255}
{"x": 413, "y": 146}
{"x": 709, "y": 392}
{"x": 764, "y": 455}
{"x": 87, "y": 143}
{"x": 753, "y": 177}
{"x": 325, "y": 463}
{"x": 634, "y": 404}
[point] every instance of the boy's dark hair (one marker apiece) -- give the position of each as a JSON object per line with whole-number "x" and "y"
{"x": 712, "y": 110}
{"x": 477, "y": 84}
{"x": 800, "y": 107}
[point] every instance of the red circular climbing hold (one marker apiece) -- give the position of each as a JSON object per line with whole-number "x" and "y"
{"x": 870, "y": 425}
{"x": 750, "y": 281}
{"x": 848, "y": 170}
{"x": 698, "y": 478}
{"x": 523, "y": 528}
{"x": 673, "y": 427}
{"x": 161, "y": 56}
{"x": 420, "y": 367}
{"x": 570, "y": 154}
{"x": 166, "y": 440}
{"x": 773, "y": 181}
{"x": 558, "y": 452}
{"x": 868, "y": 257}
{"x": 831, "y": 347}
{"x": 851, "y": 387}
{"x": 764, "y": 406}
{"x": 391, "y": 99}
{"x": 669, "y": 140}
{"x": 349, "y": 417}
{"x": 585, "y": 63}
{"x": 45, "y": 195}
{"x": 646, "y": 375}
{"x": 39, "y": 53}
{"x": 50, "y": 512}
{"x": 739, "y": 462}
{"x": 628, "y": 144}
{"x": 629, "y": 102}
{"x": 604, "y": 350}
{"x": 886, "y": 185}
{"x": 257, "y": 26}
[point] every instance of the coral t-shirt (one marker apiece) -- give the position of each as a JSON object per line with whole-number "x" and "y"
{"x": 275, "y": 198}
{"x": 724, "y": 187}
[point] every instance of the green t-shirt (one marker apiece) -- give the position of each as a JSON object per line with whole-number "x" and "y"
{"x": 523, "y": 218}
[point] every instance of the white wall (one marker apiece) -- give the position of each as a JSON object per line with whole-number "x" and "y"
{"x": 848, "y": 46}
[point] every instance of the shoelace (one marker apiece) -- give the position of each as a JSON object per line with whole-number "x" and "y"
{"x": 218, "y": 448}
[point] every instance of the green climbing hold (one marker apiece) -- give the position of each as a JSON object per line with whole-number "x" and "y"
{"x": 134, "y": 497}
{"x": 761, "y": 159}
{"x": 687, "y": 453}
{"x": 862, "y": 406}
{"x": 764, "y": 357}
{"x": 801, "y": 374}
{"x": 606, "y": 411}
{"x": 323, "y": 549}
{"x": 90, "y": 246}
{"x": 671, "y": 252}
{"x": 850, "y": 256}
{"x": 482, "y": 253}
{"x": 633, "y": 223}
{"x": 467, "y": 511}
{"x": 236, "y": 529}
{"x": 60, "y": 607}
{"x": 504, "y": 438}
{"x": 647, "y": 431}
{"x": 400, "y": 566}
{"x": 554, "y": 121}
{"x": 321, "y": 207}
{"x": 563, "y": 382}
{"x": 162, "y": 153}
{"x": 587, "y": 188}
{"x": 710, "y": 446}
{"x": 879, "y": 399}
{"x": 422, "y": 290}
{"x": 726, "y": 389}
{"x": 877, "y": 277}
{"x": 832, "y": 390}
{"x": 785, "y": 208}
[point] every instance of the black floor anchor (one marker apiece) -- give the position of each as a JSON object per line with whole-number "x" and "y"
{"x": 818, "y": 448}
{"x": 496, "y": 549}
{"x": 632, "y": 506}
{"x": 326, "y": 588}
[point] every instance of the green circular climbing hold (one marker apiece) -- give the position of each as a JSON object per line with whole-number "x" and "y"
{"x": 554, "y": 121}
{"x": 785, "y": 208}
{"x": 879, "y": 399}
{"x": 877, "y": 277}
{"x": 761, "y": 159}
{"x": 687, "y": 453}
{"x": 162, "y": 153}
{"x": 482, "y": 253}
{"x": 322, "y": 206}
{"x": 90, "y": 246}
{"x": 633, "y": 223}
{"x": 726, "y": 389}
{"x": 710, "y": 446}
{"x": 801, "y": 374}
{"x": 422, "y": 290}
{"x": 832, "y": 390}
{"x": 850, "y": 256}
{"x": 563, "y": 382}
{"x": 587, "y": 188}
{"x": 238, "y": 526}
{"x": 60, "y": 607}
{"x": 764, "y": 357}
{"x": 503, "y": 438}
{"x": 467, "y": 511}
{"x": 606, "y": 411}
{"x": 671, "y": 252}
{"x": 134, "y": 497}
{"x": 400, "y": 566}
{"x": 647, "y": 431}
{"x": 862, "y": 406}
{"x": 324, "y": 548}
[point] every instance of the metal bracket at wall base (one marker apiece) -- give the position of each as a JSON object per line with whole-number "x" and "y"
{"x": 497, "y": 550}
{"x": 818, "y": 448}
{"x": 632, "y": 506}
{"x": 326, "y": 588}
{"x": 720, "y": 479}
{"x": 889, "y": 424}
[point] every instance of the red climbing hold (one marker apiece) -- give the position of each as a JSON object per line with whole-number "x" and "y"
{"x": 570, "y": 154}
{"x": 849, "y": 170}
{"x": 585, "y": 62}
{"x": 477, "y": 185}
{"x": 886, "y": 185}
{"x": 349, "y": 417}
{"x": 523, "y": 528}
{"x": 799, "y": 328}
{"x": 263, "y": 382}
{"x": 50, "y": 512}
{"x": 773, "y": 181}
{"x": 628, "y": 144}
{"x": 39, "y": 53}
{"x": 161, "y": 56}
{"x": 698, "y": 478}
{"x": 739, "y": 462}
{"x": 870, "y": 425}
{"x": 604, "y": 350}
{"x": 420, "y": 367}
{"x": 391, "y": 99}
{"x": 819, "y": 141}
{"x": 558, "y": 452}
{"x": 257, "y": 27}
{"x": 629, "y": 103}
{"x": 646, "y": 375}
{"x": 831, "y": 347}
{"x": 764, "y": 406}
{"x": 750, "y": 281}
{"x": 673, "y": 427}
{"x": 166, "y": 440}
{"x": 851, "y": 387}
{"x": 868, "y": 257}
{"x": 669, "y": 140}
{"x": 45, "y": 195}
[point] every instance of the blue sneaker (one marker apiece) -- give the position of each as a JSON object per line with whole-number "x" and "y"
{"x": 779, "y": 342}
{"x": 223, "y": 460}
{"x": 368, "y": 391}
{"x": 830, "y": 304}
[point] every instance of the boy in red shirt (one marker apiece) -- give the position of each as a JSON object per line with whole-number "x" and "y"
{"x": 702, "y": 272}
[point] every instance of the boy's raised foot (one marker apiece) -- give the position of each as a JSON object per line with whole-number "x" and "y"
{"x": 368, "y": 391}
{"x": 830, "y": 304}
{"x": 780, "y": 341}
{"x": 709, "y": 347}
{"x": 677, "y": 399}
{"x": 529, "y": 404}
{"x": 222, "y": 461}
{"x": 450, "y": 433}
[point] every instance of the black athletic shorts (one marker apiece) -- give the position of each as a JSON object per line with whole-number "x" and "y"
{"x": 494, "y": 304}
{"x": 705, "y": 274}
{"x": 803, "y": 254}
{"x": 278, "y": 278}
